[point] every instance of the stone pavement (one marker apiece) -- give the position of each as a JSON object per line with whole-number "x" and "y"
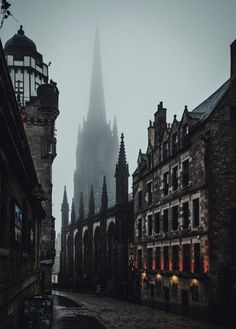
{"x": 69, "y": 315}
{"x": 114, "y": 314}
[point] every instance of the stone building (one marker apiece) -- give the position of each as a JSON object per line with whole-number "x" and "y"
{"x": 97, "y": 144}
{"x": 94, "y": 248}
{"x": 185, "y": 206}
{"x": 38, "y": 100}
{"x": 21, "y": 212}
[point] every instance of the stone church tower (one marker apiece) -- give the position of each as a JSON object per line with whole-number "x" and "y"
{"x": 38, "y": 101}
{"x": 97, "y": 144}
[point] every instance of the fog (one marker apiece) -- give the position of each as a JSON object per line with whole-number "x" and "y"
{"x": 175, "y": 51}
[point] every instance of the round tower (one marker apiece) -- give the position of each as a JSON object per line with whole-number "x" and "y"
{"x": 26, "y": 66}
{"x": 48, "y": 100}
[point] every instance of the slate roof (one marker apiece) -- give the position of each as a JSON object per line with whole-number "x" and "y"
{"x": 202, "y": 111}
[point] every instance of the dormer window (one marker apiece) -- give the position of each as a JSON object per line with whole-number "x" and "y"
{"x": 165, "y": 150}
{"x": 140, "y": 199}
{"x": 185, "y": 132}
{"x": 149, "y": 160}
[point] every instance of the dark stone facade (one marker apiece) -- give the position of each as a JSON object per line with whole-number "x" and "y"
{"x": 184, "y": 207}
{"x": 94, "y": 249}
{"x": 21, "y": 212}
{"x": 38, "y": 100}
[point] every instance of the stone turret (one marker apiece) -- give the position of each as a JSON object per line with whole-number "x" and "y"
{"x": 48, "y": 99}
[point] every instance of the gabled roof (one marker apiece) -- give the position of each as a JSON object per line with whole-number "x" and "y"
{"x": 203, "y": 110}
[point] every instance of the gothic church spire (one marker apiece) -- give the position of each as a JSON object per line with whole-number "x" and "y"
{"x": 65, "y": 210}
{"x": 97, "y": 112}
{"x": 122, "y": 175}
{"x": 104, "y": 201}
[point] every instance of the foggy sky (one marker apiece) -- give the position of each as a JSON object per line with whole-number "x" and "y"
{"x": 175, "y": 51}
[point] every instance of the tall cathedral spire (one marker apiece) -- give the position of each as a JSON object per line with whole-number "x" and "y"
{"x": 97, "y": 112}
{"x": 97, "y": 145}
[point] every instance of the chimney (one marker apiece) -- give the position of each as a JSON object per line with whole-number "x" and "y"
{"x": 233, "y": 59}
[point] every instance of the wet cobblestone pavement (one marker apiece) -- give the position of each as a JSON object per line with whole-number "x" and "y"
{"x": 113, "y": 314}
{"x": 70, "y": 315}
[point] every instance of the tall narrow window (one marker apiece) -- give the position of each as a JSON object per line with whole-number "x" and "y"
{"x": 149, "y": 254}
{"x": 185, "y": 173}
{"x": 166, "y": 258}
{"x": 140, "y": 228}
{"x": 197, "y": 258}
{"x": 150, "y": 225}
{"x": 175, "y": 257}
{"x": 175, "y": 217}
{"x": 157, "y": 223}
{"x": 165, "y": 221}
{"x": 185, "y": 215}
{"x": 175, "y": 178}
{"x": 166, "y": 183}
{"x": 165, "y": 150}
{"x": 185, "y": 131}
{"x": 158, "y": 258}
{"x": 149, "y": 193}
{"x": 196, "y": 212}
{"x": 186, "y": 258}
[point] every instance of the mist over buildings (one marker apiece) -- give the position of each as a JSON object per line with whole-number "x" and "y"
{"x": 171, "y": 51}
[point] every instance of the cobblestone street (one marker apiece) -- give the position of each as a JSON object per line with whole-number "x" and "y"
{"x": 112, "y": 313}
